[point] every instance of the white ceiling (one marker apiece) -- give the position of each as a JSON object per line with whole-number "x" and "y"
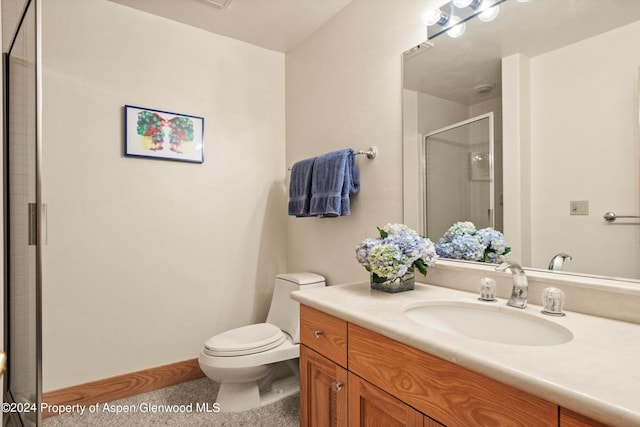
{"x": 278, "y": 25}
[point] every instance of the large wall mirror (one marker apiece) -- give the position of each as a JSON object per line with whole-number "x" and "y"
{"x": 560, "y": 80}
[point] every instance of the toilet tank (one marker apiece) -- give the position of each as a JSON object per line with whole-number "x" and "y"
{"x": 285, "y": 312}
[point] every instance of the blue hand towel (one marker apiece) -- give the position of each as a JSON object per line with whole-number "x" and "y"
{"x": 335, "y": 177}
{"x": 300, "y": 187}
{"x": 351, "y": 183}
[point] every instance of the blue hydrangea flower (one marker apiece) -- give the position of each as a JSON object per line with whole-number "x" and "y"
{"x": 496, "y": 248}
{"x": 398, "y": 251}
{"x": 468, "y": 247}
{"x": 459, "y": 229}
{"x": 462, "y": 241}
{"x": 444, "y": 249}
{"x": 363, "y": 249}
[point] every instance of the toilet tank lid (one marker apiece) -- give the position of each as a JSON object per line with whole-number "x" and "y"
{"x": 301, "y": 278}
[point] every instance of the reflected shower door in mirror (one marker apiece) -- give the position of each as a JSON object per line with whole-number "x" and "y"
{"x": 458, "y": 175}
{"x": 562, "y": 76}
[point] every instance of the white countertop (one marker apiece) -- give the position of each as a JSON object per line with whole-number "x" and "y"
{"x": 597, "y": 373}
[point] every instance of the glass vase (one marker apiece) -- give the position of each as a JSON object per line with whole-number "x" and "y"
{"x": 401, "y": 284}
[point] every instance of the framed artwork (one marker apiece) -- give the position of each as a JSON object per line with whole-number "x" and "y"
{"x": 163, "y": 135}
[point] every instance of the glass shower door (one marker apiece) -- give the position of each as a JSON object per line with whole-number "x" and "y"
{"x": 22, "y": 289}
{"x": 458, "y": 175}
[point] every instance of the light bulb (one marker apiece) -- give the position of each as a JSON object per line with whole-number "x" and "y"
{"x": 462, "y": 3}
{"x": 489, "y": 11}
{"x": 433, "y": 17}
{"x": 457, "y": 29}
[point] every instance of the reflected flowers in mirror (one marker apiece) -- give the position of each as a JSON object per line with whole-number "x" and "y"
{"x": 463, "y": 241}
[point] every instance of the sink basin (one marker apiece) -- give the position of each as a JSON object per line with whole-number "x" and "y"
{"x": 488, "y": 322}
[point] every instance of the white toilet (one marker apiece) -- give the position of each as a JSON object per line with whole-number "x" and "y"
{"x": 258, "y": 364}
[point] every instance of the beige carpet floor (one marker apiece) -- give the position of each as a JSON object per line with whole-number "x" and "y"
{"x": 190, "y": 399}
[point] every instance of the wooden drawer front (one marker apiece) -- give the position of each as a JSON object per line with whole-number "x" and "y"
{"x": 324, "y": 333}
{"x": 571, "y": 419}
{"x": 450, "y": 394}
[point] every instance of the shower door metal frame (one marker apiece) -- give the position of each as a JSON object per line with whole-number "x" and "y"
{"x": 38, "y": 226}
{"x": 423, "y": 166}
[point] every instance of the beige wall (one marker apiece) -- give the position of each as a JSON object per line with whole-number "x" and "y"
{"x": 148, "y": 258}
{"x": 344, "y": 90}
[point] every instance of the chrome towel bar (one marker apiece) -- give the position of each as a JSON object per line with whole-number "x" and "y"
{"x": 611, "y": 216}
{"x": 371, "y": 153}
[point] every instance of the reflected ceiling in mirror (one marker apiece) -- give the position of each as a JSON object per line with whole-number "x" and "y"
{"x": 580, "y": 140}
{"x": 453, "y": 67}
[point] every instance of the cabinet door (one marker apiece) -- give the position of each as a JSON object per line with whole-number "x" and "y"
{"x": 323, "y": 391}
{"x": 371, "y": 407}
{"x": 571, "y": 419}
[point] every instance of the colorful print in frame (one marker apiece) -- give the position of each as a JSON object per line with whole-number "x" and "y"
{"x": 163, "y": 135}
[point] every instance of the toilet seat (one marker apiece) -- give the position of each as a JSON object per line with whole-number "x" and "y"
{"x": 250, "y": 339}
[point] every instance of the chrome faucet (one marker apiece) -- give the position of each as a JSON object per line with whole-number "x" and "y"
{"x": 557, "y": 262}
{"x": 520, "y": 289}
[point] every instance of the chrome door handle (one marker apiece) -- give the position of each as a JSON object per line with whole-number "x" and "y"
{"x": 32, "y": 215}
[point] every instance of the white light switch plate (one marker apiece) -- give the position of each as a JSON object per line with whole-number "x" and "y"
{"x": 579, "y": 207}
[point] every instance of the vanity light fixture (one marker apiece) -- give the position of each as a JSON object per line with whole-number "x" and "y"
{"x": 457, "y": 28}
{"x": 489, "y": 10}
{"x": 462, "y": 3}
{"x": 458, "y": 12}
{"x": 435, "y": 16}
{"x": 450, "y": 23}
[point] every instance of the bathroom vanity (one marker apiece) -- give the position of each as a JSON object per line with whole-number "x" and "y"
{"x": 363, "y": 361}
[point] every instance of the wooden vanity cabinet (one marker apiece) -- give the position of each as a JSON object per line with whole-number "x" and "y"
{"x": 323, "y": 373}
{"x": 351, "y": 376}
{"x": 569, "y": 418}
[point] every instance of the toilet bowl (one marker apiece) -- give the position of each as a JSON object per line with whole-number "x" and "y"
{"x": 258, "y": 364}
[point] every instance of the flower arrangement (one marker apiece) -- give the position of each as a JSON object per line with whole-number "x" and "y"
{"x": 463, "y": 241}
{"x": 395, "y": 253}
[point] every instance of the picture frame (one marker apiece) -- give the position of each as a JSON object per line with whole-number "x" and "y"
{"x": 158, "y": 134}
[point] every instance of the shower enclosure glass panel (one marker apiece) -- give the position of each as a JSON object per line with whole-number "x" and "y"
{"x": 22, "y": 294}
{"x": 458, "y": 175}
